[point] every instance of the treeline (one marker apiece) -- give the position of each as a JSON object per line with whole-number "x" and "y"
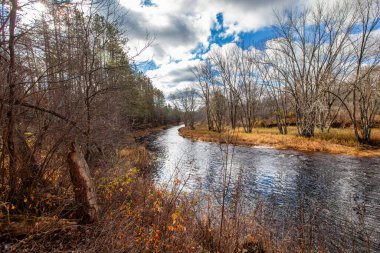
{"x": 67, "y": 77}
{"x": 322, "y": 62}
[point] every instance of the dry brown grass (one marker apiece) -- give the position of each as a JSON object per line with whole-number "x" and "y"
{"x": 138, "y": 157}
{"x": 337, "y": 141}
{"x": 147, "y": 131}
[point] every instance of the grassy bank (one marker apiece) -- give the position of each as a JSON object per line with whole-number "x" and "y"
{"x": 148, "y": 131}
{"x": 337, "y": 141}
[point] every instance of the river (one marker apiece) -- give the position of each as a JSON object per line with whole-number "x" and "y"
{"x": 339, "y": 195}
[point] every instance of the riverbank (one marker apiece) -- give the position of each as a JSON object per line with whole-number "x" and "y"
{"x": 137, "y": 134}
{"x": 136, "y": 216}
{"x": 337, "y": 141}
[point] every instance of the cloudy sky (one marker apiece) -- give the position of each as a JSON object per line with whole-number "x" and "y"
{"x": 185, "y": 30}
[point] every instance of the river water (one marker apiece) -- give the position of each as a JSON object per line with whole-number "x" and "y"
{"x": 339, "y": 195}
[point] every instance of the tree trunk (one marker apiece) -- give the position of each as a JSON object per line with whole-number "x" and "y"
{"x": 279, "y": 125}
{"x": 85, "y": 194}
{"x": 11, "y": 123}
{"x": 305, "y": 123}
{"x": 29, "y": 168}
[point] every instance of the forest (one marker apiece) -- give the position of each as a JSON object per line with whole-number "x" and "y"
{"x": 67, "y": 78}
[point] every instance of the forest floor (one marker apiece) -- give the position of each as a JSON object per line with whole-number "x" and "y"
{"x": 336, "y": 141}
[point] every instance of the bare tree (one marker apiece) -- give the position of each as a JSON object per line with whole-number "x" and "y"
{"x": 12, "y": 98}
{"x": 67, "y": 77}
{"x": 186, "y": 100}
{"x": 307, "y": 53}
{"x": 250, "y": 90}
{"x": 206, "y": 82}
{"x": 276, "y": 89}
{"x": 364, "y": 60}
{"x": 227, "y": 72}
{"x": 218, "y": 109}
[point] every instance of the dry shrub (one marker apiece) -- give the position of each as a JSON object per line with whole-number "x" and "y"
{"x": 138, "y": 217}
{"x": 138, "y": 157}
{"x": 141, "y": 217}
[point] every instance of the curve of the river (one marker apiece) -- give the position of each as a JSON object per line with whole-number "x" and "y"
{"x": 339, "y": 195}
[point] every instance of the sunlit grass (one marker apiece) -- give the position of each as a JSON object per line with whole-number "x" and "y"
{"x": 138, "y": 156}
{"x": 344, "y": 136}
{"x": 338, "y": 141}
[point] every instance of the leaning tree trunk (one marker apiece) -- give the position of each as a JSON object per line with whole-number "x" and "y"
{"x": 85, "y": 195}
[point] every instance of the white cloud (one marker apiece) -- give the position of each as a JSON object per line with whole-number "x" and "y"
{"x": 180, "y": 26}
{"x": 172, "y": 76}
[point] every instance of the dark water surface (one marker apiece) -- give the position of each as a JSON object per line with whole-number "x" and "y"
{"x": 339, "y": 195}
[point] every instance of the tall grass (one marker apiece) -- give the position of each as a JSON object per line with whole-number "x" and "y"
{"x": 337, "y": 141}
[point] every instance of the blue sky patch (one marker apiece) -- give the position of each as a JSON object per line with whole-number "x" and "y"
{"x": 245, "y": 40}
{"x": 218, "y": 32}
{"x": 217, "y": 36}
{"x": 256, "y": 39}
{"x": 148, "y": 3}
{"x": 146, "y": 66}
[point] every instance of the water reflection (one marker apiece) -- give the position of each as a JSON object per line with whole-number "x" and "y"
{"x": 339, "y": 195}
